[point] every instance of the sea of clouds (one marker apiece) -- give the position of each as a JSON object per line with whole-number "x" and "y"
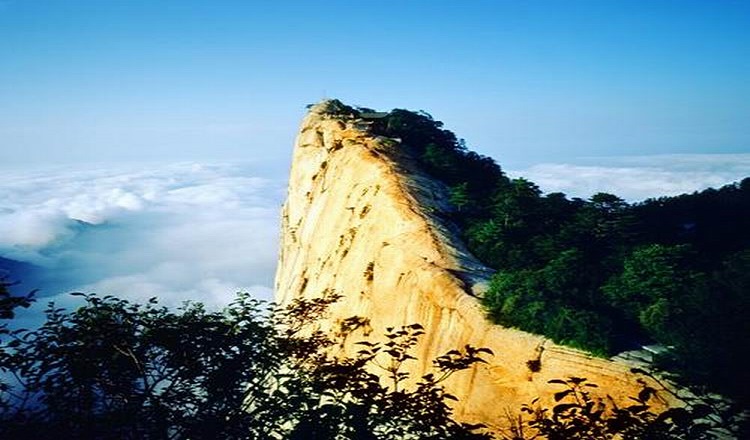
{"x": 636, "y": 178}
{"x": 195, "y": 231}
{"x": 183, "y": 231}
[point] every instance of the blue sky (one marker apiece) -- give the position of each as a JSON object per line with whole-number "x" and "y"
{"x": 144, "y": 145}
{"x": 523, "y": 81}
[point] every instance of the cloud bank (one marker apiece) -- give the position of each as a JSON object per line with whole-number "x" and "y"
{"x": 192, "y": 231}
{"x": 639, "y": 177}
{"x": 179, "y": 232}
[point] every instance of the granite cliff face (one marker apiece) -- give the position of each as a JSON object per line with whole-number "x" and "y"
{"x": 363, "y": 221}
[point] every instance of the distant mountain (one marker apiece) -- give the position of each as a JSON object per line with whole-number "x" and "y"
{"x": 19, "y": 272}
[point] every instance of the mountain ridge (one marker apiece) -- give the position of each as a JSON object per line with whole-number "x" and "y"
{"x": 362, "y": 220}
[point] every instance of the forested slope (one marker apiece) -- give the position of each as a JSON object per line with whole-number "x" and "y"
{"x": 599, "y": 274}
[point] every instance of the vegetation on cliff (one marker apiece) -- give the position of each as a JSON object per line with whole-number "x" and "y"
{"x": 598, "y": 274}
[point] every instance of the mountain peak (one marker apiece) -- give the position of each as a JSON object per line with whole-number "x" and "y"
{"x": 364, "y": 221}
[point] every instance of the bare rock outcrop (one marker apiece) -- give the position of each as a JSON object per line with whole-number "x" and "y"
{"x": 362, "y": 220}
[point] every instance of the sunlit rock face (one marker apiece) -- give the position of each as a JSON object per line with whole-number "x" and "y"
{"x": 363, "y": 221}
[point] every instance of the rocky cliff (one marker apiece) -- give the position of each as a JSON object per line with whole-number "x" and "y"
{"x": 362, "y": 220}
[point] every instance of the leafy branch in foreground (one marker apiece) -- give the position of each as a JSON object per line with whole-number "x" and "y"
{"x": 578, "y": 413}
{"x": 114, "y": 369}
{"x": 8, "y": 304}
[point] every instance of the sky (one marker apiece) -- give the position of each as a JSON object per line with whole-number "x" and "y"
{"x": 523, "y": 81}
{"x": 145, "y": 146}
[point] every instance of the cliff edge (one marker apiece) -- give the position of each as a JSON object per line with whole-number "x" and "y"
{"x": 363, "y": 221}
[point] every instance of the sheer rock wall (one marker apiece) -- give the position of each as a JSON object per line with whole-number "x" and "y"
{"x": 362, "y": 220}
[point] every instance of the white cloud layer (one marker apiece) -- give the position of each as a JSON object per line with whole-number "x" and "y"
{"x": 203, "y": 232}
{"x": 639, "y": 177}
{"x": 179, "y": 232}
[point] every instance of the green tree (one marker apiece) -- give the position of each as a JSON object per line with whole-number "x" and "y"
{"x": 656, "y": 288}
{"x": 459, "y": 196}
{"x": 114, "y": 369}
{"x": 552, "y": 301}
{"x": 117, "y": 370}
{"x": 623, "y": 295}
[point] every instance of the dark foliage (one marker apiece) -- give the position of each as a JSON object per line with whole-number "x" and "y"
{"x": 601, "y": 274}
{"x": 8, "y": 304}
{"x": 579, "y": 413}
{"x": 117, "y": 370}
